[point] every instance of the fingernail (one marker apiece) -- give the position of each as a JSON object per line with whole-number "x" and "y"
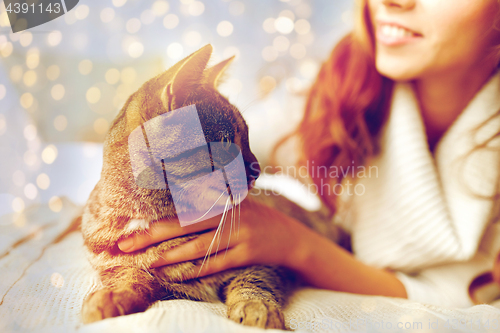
{"x": 126, "y": 244}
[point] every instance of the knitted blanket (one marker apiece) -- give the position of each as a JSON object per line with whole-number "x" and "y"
{"x": 43, "y": 284}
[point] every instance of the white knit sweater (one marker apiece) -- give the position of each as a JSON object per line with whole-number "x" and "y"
{"x": 417, "y": 215}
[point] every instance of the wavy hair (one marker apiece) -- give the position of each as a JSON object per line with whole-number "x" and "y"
{"x": 346, "y": 107}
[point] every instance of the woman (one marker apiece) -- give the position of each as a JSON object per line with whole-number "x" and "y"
{"x": 411, "y": 91}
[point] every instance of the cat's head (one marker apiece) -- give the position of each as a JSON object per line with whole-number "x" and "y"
{"x": 157, "y": 137}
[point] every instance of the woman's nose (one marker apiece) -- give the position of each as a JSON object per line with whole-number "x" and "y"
{"x": 402, "y": 4}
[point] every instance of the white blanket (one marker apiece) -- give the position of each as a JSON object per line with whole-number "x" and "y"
{"x": 42, "y": 287}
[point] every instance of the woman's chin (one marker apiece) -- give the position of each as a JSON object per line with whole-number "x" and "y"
{"x": 396, "y": 72}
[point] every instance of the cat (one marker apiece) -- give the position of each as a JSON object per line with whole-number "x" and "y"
{"x": 119, "y": 207}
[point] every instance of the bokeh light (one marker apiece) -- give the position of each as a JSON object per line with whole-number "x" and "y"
{"x": 107, "y": 15}
{"x": 281, "y": 43}
{"x": 32, "y": 58}
{"x": 29, "y": 78}
{"x": 294, "y": 85}
{"x": 49, "y": 154}
{"x": 196, "y": 8}
{"x": 57, "y": 92}
{"x": 55, "y": 204}
{"x": 53, "y": 72}
{"x": 170, "y": 21}
{"x": 133, "y": 25}
{"x": 225, "y": 28}
{"x": 18, "y": 205}
{"x": 175, "y": 51}
{"x": 81, "y": 12}
{"x": 43, "y": 181}
{"x": 26, "y": 100}
{"x": 85, "y": 67}
{"x": 26, "y": 38}
{"x": 135, "y": 49}
{"x": 93, "y": 95}
{"x": 60, "y": 123}
{"x": 54, "y": 38}
{"x": 284, "y": 25}
{"x": 6, "y": 49}
{"x": 119, "y": 3}
{"x": 112, "y": 76}
{"x": 302, "y": 26}
{"x": 160, "y": 7}
{"x": 309, "y": 68}
{"x": 30, "y": 191}
{"x": 269, "y": 26}
{"x": 30, "y": 132}
{"x": 267, "y": 84}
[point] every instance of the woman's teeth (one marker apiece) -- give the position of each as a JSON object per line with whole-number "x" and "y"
{"x": 395, "y": 32}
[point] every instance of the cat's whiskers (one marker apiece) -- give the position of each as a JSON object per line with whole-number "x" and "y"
{"x": 250, "y": 104}
{"x": 207, "y": 255}
{"x": 223, "y": 224}
{"x": 239, "y": 215}
{"x": 231, "y": 225}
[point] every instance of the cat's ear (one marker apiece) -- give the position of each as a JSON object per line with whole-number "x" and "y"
{"x": 214, "y": 73}
{"x": 188, "y": 75}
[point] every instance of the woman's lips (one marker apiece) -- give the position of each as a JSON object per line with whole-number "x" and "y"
{"x": 392, "y": 34}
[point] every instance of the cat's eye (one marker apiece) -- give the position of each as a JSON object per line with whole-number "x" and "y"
{"x": 226, "y": 143}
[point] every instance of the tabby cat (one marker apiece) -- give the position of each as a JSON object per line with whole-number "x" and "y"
{"x": 118, "y": 207}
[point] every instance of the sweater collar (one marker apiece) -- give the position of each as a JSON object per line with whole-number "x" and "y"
{"x": 462, "y": 176}
{"x": 418, "y": 210}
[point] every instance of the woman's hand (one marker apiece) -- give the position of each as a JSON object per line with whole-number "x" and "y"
{"x": 267, "y": 236}
{"x": 262, "y": 235}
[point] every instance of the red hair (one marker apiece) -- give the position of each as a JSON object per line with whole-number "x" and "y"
{"x": 346, "y": 108}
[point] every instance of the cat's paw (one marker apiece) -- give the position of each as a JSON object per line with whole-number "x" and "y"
{"x": 258, "y": 313}
{"x": 106, "y": 303}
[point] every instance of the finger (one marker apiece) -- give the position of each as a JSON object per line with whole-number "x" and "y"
{"x": 211, "y": 242}
{"x": 163, "y": 230}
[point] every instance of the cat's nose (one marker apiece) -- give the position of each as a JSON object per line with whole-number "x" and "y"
{"x": 253, "y": 172}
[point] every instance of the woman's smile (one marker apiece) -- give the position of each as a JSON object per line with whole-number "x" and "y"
{"x": 392, "y": 34}
{"x": 418, "y": 39}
